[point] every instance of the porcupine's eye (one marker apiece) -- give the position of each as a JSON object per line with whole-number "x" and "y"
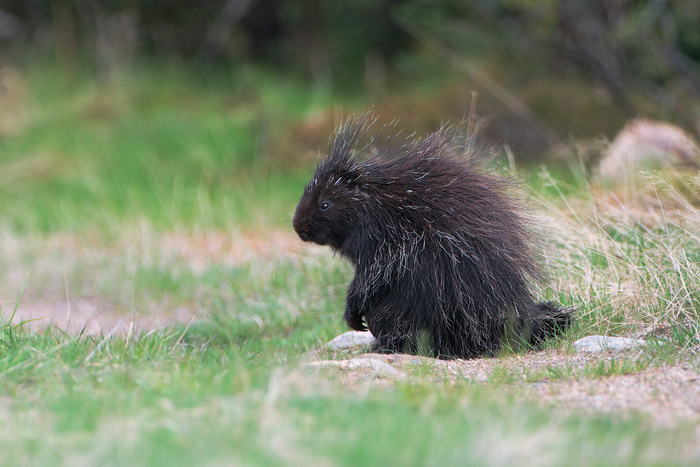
{"x": 324, "y": 206}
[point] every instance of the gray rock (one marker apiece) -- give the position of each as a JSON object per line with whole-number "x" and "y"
{"x": 370, "y": 367}
{"x": 603, "y": 343}
{"x": 373, "y": 366}
{"x": 648, "y": 145}
{"x": 350, "y": 340}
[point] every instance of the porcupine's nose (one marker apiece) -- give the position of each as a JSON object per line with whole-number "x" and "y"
{"x": 302, "y": 231}
{"x": 304, "y": 235}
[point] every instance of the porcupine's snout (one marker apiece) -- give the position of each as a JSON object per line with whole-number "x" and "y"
{"x": 303, "y": 234}
{"x": 303, "y": 229}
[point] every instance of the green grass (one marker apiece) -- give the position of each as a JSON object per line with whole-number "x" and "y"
{"x": 157, "y": 400}
{"x": 98, "y": 177}
{"x": 93, "y": 154}
{"x": 227, "y": 388}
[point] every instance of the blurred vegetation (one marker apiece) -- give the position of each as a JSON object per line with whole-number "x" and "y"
{"x": 155, "y": 144}
{"x": 151, "y": 151}
{"x": 544, "y": 69}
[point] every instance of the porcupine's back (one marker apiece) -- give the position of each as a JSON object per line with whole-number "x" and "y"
{"x": 441, "y": 252}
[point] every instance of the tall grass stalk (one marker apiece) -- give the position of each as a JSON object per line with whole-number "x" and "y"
{"x": 630, "y": 263}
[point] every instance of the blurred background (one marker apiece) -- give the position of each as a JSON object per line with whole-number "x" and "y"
{"x": 152, "y": 153}
{"x": 183, "y": 100}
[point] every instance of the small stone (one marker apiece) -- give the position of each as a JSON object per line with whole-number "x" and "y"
{"x": 603, "y": 343}
{"x": 369, "y": 367}
{"x": 350, "y": 340}
{"x": 376, "y": 367}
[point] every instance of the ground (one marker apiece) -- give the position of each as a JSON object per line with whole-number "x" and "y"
{"x": 666, "y": 394}
{"x": 65, "y": 288}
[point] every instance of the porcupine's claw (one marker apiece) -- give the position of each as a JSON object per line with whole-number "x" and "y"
{"x": 355, "y": 322}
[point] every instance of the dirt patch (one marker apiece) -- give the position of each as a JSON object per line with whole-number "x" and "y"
{"x": 199, "y": 251}
{"x": 95, "y": 316}
{"x": 510, "y": 368}
{"x": 667, "y": 394}
{"x": 65, "y": 275}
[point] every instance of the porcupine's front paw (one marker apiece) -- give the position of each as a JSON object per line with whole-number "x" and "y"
{"x": 354, "y": 320}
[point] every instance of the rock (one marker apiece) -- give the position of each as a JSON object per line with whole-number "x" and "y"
{"x": 377, "y": 367}
{"x": 646, "y": 144}
{"x": 603, "y": 343}
{"x": 368, "y": 367}
{"x": 350, "y": 340}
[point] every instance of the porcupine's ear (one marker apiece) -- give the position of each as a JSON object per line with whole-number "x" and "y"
{"x": 353, "y": 177}
{"x": 357, "y": 189}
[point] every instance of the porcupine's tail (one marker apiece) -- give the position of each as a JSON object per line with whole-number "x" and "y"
{"x": 547, "y": 320}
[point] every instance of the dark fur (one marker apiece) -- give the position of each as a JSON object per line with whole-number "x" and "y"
{"x": 442, "y": 255}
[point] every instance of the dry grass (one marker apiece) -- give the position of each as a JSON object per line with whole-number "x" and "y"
{"x": 630, "y": 260}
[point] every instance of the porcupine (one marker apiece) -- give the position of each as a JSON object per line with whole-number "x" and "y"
{"x": 443, "y": 256}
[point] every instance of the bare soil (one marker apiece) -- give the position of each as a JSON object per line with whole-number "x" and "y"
{"x": 666, "y": 394}
{"x": 50, "y": 297}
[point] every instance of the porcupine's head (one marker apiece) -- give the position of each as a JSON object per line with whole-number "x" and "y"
{"x": 332, "y": 203}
